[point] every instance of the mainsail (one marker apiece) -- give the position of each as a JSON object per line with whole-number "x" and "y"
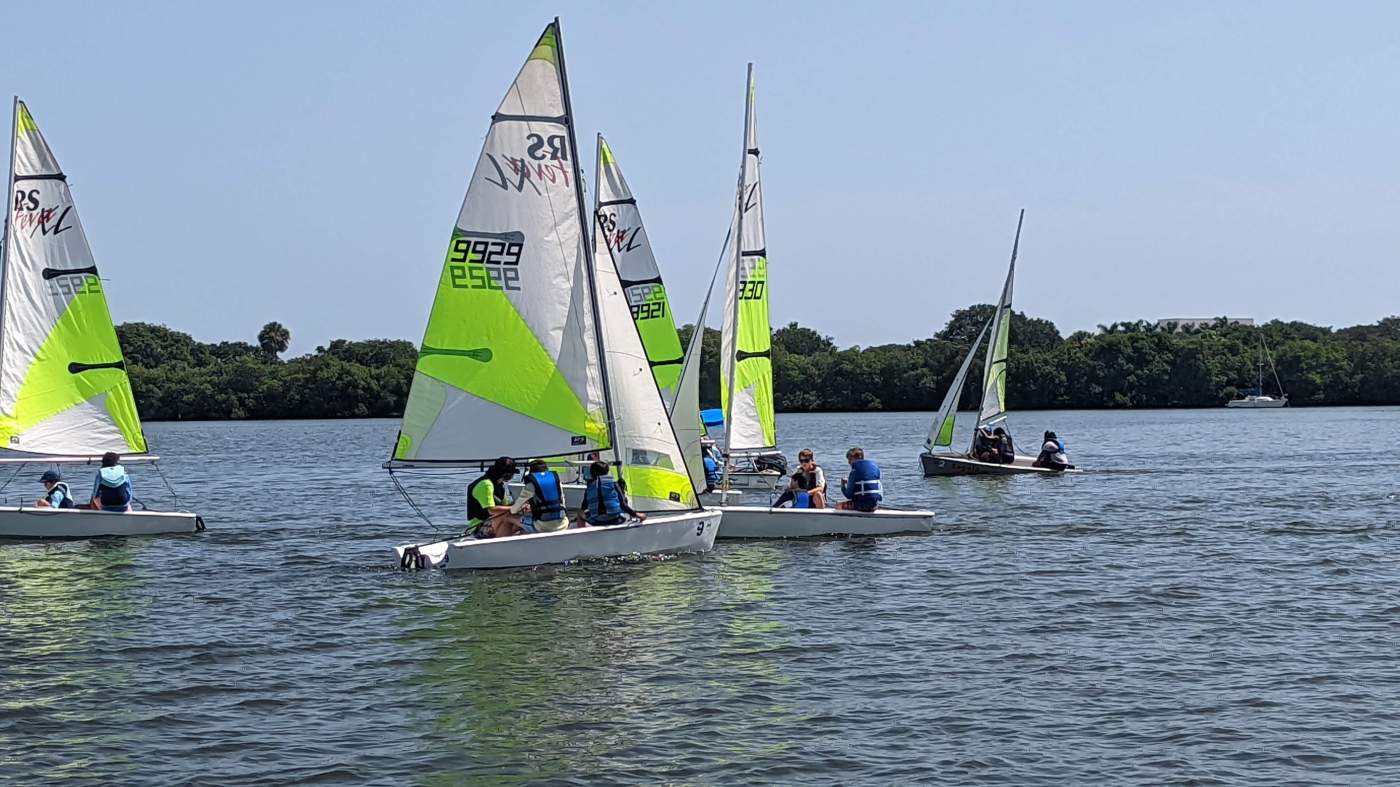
{"x": 621, "y": 233}
{"x": 652, "y": 463}
{"x": 63, "y": 383}
{"x": 509, "y": 364}
{"x": 940, "y": 435}
{"x": 994, "y": 373}
{"x": 747, "y": 367}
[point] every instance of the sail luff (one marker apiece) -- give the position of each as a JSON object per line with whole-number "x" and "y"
{"x": 9, "y": 218}
{"x": 588, "y": 247}
{"x": 685, "y": 409}
{"x": 994, "y": 372}
{"x": 940, "y": 433}
{"x": 730, "y": 334}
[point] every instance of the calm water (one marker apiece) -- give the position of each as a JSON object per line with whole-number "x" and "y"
{"x": 1217, "y": 602}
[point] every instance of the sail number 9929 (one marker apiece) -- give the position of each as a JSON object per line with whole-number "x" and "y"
{"x": 482, "y": 264}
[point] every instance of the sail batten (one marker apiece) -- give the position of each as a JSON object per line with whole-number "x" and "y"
{"x": 746, "y": 363}
{"x": 510, "y": 363}
{"x": 64, "y": 388}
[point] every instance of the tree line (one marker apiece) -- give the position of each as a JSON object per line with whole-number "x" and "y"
{"x": 1130, "y": 364}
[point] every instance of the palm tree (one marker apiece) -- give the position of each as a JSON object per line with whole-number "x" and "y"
{"x": 274, "y": 338}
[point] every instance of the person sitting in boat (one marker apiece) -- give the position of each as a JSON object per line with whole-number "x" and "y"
{"x": 56, "y": 493}
{"x": 488, "y": 515}
{"x": 862, "y": 488}
{"x": 1006, "y": 449}
{"x": 111, "y": 488}
{"x": 712, "y": 471}
{"x": 816, "y": 487}
{"x": 798, "y": 494}
{"x": 605, "y": 500}
{"x": 1052, "y": 454}
{"x": 984, "y": 445}
{"x": 543, "y": 493}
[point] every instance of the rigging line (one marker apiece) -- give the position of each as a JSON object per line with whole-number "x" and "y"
{"x": 18, "y": 469}
{"x": 412, "y": 504}
{"x": 168, "y": 486}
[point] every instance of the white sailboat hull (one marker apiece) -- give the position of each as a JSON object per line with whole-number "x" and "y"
{"x": 1257, "y": 403}
{"x": 75, "y": 523}
{"x": 764, "y": 522}
{"x": 962, "y": 464}
{"x": 691, "y": 531}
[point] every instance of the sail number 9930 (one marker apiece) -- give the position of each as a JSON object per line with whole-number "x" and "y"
{"x": 482, "y": 264}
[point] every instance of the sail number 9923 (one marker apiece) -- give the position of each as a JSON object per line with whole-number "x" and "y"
{"x": 482, "y": 264}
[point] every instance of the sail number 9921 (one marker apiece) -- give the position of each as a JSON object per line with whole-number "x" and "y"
{"x": 482, "y": 264}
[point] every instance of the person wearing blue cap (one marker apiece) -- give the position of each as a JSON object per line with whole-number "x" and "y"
{"x": 56, "y": 493}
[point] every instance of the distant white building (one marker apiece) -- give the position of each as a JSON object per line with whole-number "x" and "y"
{"x": 1182, "y": 323}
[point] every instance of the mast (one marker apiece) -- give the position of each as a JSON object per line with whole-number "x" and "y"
{"x": 738, "y": 262}
{"x": 9, "y": 215}
{"x": 586, "y": 237}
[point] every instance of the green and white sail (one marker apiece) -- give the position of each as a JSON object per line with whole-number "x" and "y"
{"x": 621, "y": 232}
{"x": 64, "y": 389}
{"x": 509, "y": 364}
{"x": 940, "y": 435}
{"x": 998, "y": 345}
{"x": 747, "y": 365}
{"x": 652, "y": 463}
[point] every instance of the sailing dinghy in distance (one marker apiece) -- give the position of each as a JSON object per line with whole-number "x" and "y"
{"x": 530, "y": 349}
{"x": 65, "y": 397}
{"x": 748, "y": 375}
{"x": 938, "y": 458}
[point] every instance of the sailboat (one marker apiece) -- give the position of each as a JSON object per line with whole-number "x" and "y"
{"x": 747, "y": 377}
{"x": 1255, "y": 398}
{"x": 938, "y": 458}
{"x": 531, "y": 350}
{"x": 65, "y": 397}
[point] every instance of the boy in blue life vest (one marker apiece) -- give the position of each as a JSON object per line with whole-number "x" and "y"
{"x": 111, "y": 489}
{"x": 712, "y": 471}
{"x": 862, "y": 487}
{"x": 605, "y": 500}
{"x": 56, "y": 493}
{"x": 543, "y": 493}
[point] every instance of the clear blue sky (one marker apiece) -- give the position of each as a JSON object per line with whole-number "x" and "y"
{"x": 304, "y": 161}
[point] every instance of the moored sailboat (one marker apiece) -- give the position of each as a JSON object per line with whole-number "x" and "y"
{"x": 65, "y": 397}
{"x": 938, "y": 458}
{"x": 530, "y": 349}
{"x": 1255, "y": 398}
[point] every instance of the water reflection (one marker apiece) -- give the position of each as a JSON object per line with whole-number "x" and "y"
{"x": 61, "y": 612}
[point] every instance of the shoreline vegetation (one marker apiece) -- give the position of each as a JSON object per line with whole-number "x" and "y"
{"x": 1122, "y": 365}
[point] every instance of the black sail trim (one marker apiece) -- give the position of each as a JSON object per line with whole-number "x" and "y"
{"x": 744, "y": 356}
{"x": 60, "y": 177}
{"x": 54, "y": 273}
{"x": 79, "y": 368}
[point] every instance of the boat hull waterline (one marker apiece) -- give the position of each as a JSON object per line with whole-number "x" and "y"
{"x": 46, "y": 523}
{"x": 1257, "y": 403}
{"x": 691, "y": 531}
{"x": 961, "y": 464}
{"x": 765, "y": 522}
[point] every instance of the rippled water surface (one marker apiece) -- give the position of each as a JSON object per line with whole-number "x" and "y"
{"x": 1214, "y": 602}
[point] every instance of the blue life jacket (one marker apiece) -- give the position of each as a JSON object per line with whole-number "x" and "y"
{"x": 113, "y": 488}
{"x": 863, "y": 485}
{"x": 65, "y": 498}
{"x": 603, "y": 502}
{"x": 802, "y": 500}
{"x": 547, "y": 499}
{"x": 711, "y": 469}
